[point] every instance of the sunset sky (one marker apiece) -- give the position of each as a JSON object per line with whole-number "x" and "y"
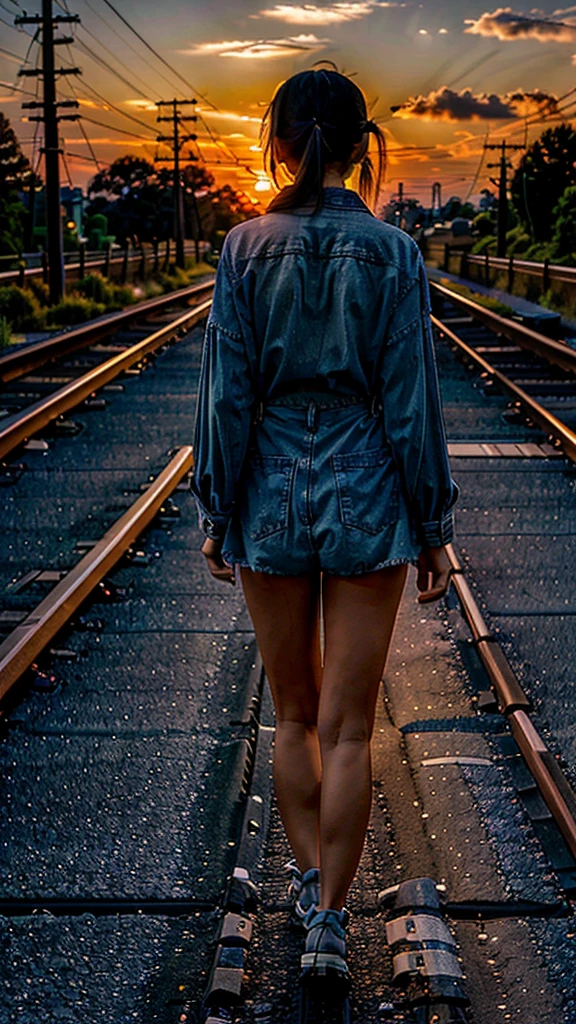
{"x": 456, "y": 70}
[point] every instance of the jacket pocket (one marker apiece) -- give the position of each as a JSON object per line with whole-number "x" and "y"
{"x": 267, "y": 488}
{"x": 368, "y": 489}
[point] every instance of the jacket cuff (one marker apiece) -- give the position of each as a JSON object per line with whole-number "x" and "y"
{"x": 439, "y": 532}
{"x": 213, "y": 528}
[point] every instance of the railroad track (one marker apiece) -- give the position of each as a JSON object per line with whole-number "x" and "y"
{"x": 76, "y": 365}
{"x": 538, "y": 372}
{"x": 30, "y": 642}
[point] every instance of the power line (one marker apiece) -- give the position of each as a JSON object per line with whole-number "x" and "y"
{"x": 158, "y": 55}
{"x": 118, "y": 110}
{"x": 14, "y": 56}
{"x": 90, "y": 147}
{"x": 100, "y": 60}
{"x": 108, "y": 103}
{"x": 124, "y": 40}
{"x": 111, "y": 128}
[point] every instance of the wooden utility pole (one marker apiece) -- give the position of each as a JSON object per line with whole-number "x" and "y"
{"x": 176, "y": 140}
{"x": 502, "y": 184}
{"x": 51, "y": 149}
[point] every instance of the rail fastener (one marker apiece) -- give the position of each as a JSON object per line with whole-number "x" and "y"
{"x": 20, "y": 649}
{"x": 29, "y": 421}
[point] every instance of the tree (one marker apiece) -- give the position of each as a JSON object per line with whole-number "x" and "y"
{"x": 137, "y": 199}
{"x": 544, "y": 173}
{"x": 126, "y": 174}
{"x": 15, "y": 174}
{"x": 15, "y": 167}
{"x": 564, "y": 238}
{"x": 484, "y": 224}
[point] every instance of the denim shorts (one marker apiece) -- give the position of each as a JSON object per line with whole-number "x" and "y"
{"x": 319, "y": 491}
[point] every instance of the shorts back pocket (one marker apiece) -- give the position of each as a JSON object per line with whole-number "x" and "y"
{"x": 368, "y": 489}
{"x": 266, "y": 498}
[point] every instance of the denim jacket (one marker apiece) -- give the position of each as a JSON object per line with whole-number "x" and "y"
{"x": 338, "y": 297}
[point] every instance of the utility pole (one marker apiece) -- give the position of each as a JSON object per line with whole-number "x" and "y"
{"x": 502, "y": 184}
{"x": 51, "y": 118}
{"x": 436, "y": 198}
{"x": 176, "y": 140}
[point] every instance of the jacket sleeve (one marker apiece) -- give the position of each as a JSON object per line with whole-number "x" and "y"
{"x": 224, "y": 409}
{"x": 413, "y": 413}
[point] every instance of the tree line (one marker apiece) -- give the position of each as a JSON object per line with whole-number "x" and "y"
{"x": 130, "y": 200}
{"x": 135, "y": 198}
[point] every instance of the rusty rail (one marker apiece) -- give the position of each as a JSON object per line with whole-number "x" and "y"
{"x": 514, "y": 704}
{"x": 550, "y": 423}
{"x": 556, "y": 352}
{"x": 29, "y": 639}
{"x": 29, "y": 421}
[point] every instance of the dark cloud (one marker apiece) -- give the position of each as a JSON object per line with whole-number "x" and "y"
{"x": 507, "y": 24}
{"x": 446, "y": 105}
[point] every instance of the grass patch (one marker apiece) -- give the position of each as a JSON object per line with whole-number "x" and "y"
{"x": 494, "y": 305}
{"x": 28, "y": 309}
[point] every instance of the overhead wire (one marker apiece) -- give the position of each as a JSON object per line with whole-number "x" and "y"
{"x": 124, "y": 40}
{"x": 159, "y": 56}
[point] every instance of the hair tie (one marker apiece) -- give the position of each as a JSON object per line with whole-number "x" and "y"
{"x": 369, "y": 126}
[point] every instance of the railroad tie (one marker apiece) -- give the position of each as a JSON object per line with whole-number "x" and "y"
{"x": 426, "y": 967}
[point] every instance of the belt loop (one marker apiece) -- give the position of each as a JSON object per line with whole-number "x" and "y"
{"x": 375, "y": 407}
{"x": 259, "y": 415}
{"x": 311, "y": 417}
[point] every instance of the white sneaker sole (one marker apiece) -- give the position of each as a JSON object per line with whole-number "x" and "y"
{"x": 322, "y": 960}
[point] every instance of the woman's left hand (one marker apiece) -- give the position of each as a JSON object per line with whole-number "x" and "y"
{"x": 220, "y": 570}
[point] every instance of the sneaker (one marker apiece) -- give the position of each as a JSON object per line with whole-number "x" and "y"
{"x": 303, "y": 891}
{"x": 326, "y": 941}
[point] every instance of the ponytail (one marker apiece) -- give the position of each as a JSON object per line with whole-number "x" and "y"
{"x": 320, "y": 116}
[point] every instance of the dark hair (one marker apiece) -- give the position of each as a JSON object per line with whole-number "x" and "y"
{"x": 321, "y": 114}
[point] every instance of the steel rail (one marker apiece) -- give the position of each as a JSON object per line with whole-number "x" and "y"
{"x": 514, "y": 704}
{"x": 30, "y": 357}
{"x": 556, "y": 352}
{"x": 29, "y": 421}
{"x": 26, "y": 642}
{"x": 550, "y": 423}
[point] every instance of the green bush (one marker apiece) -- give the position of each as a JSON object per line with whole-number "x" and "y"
{"x": 20, "y": 309}
{"x": 5, "y": 333}
{"x": 517, "y": 241}
{"x": 484, "y": 224}
{"x": 101, "y": 290}
{"x": 539, "y": 252}
{"x": 72, "y": 310}
{"x": 486, "y": 244}
{"x": 39, "y": 290}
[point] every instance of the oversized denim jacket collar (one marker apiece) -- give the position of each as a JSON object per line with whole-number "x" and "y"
{"x": 336, "y": 198}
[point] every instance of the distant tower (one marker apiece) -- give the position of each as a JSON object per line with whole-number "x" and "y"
{"x": 436, "y": 199}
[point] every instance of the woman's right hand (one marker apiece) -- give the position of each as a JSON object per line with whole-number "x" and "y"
{"x": 434, "y": 571}
{"x": 219, "y": 569}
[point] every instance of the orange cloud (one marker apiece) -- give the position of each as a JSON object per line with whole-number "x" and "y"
{"x": 312, "y": 14}
{"x": 507, "y": 25}
{"x": 260, "y": 49}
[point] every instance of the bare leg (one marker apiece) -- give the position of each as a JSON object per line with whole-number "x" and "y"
{"x": 360, "y": 613}
{"x": 284, "y": 610}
